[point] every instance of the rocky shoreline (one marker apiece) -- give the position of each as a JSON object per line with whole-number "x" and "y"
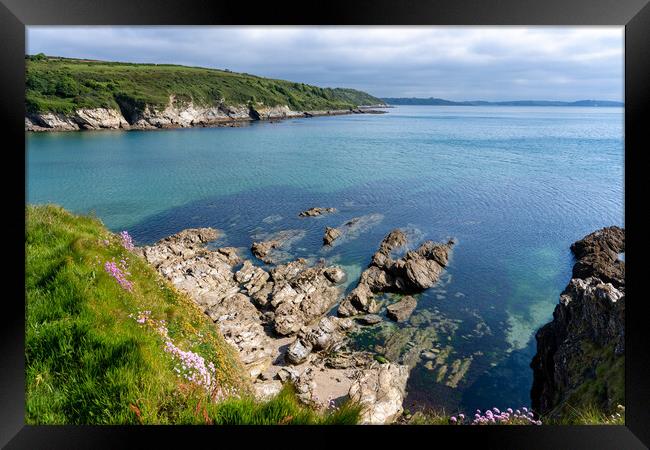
{"x": 279, "y": 318}
{"x": 580, "y": 353}
{"x": 174, "y": 115}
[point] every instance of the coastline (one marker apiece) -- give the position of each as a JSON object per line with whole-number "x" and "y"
{"x": 171, "y": 118}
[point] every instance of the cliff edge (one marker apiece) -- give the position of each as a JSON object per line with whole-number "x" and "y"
{"x": 581, "y": 352}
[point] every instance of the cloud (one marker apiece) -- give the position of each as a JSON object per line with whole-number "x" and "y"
{"x": 459, "y": 63}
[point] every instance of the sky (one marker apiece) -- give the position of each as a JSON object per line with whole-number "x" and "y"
{"x": 454, "y": 63}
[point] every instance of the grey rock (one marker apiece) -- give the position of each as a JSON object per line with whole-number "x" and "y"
{"x": 359, "y": 301}
{"x": 369, "y": 319}
{"x": 302, "y": 299}
{"x": 331, "y": 234}
{"x": 312, "y": 212}
{"x": 266, "y": 390}
{"x": 403, "y": 309}
{"x": 380, "y": 392}
{"x": 335, "y": 274}
{"x": 298, "y": 351}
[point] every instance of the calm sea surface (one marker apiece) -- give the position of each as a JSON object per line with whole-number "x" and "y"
{"x": 516, "y": 186}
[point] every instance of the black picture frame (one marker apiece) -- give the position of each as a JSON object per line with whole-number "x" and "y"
{"x": 16, "y": 14}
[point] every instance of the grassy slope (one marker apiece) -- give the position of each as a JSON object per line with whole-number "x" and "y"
{"x": 87, "y": 361}
{"x": 63, "y": 85}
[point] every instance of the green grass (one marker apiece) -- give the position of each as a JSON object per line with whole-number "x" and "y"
{"x": 590, "y": 415}
{"x": 64, "y": 85}
{"x": 88, "y": 362}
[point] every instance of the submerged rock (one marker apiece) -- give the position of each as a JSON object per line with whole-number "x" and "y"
{"x": 313, "y": 212}
{"x": 350, "y": 229}
{"x": 273, "y": 247}
{"x": 403, "y": 309}
{"x": 369, "y": 319}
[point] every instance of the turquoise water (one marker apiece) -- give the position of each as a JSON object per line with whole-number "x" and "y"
{"x": 515, "y": 186}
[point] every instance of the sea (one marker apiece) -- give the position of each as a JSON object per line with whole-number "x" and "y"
{"x": 515, "y": 186}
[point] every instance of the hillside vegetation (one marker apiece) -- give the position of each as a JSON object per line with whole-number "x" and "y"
{"x": 108, "y": 341}
{"x": 63, "y": 85}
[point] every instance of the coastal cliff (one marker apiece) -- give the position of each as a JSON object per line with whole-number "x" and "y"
{"x": 172, "y": 116}
{"x": 65, "y": 94}
{"x": 581, "y": 352}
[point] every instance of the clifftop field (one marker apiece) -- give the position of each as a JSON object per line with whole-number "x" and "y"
{"x": 63, "y": 85}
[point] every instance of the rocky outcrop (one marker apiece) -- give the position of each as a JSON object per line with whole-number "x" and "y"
{"x": 417, "y": 270}
{"x": 81, "y": 119}
{"x": 277, "y": 320}
{"x": 314, "y": 212}
{"x": 381, "y": 392}
{"x": 300, "y": 300}
{"x": 175, "y": 114}
{"x": 580, "y": 353}
{"x": 207, "y": 277}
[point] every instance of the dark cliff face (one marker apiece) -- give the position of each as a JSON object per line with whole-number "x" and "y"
{"x": 580, "y": 353}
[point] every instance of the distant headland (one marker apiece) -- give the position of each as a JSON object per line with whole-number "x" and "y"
{"x": 440, "y": 101}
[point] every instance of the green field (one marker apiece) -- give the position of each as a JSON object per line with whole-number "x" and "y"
{"x": 63, "y": 85}
{"x": 92, "y": 359}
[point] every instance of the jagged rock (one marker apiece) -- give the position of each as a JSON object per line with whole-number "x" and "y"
{"x": 207, "y": 277}
{"x": 286, "y": 272}
{"x": 597, "y": 256}
{"x": 179, "y": 246}
{"x": 266, "y": 390}
{"x": 360, "y": 300}
{"x": 417, "y": 270}
{"x": 331, "y": 234}
{"x": 305, "y": 387}
{"x": 393, "y": 240}
{"x": 298, "y": 351}
{"x": 312, "y": 212}
{"x": 335, "y": 274}
{"x": 287, "y": 374}
{"x": 327, "y": 335}
{"x": 381, "y": 392}
{"x": 256, "y": 282}
{"x": 377, "y": 279}
{"x": 369, "y": 319}
{"x": 240, "y": 324}
{"x": 403, "y": 309}
{"x": 422, "y": 273}
{"x": 300, "y": 300}
{"x": 587, "y": 333}
{"x": 262, "y": 249}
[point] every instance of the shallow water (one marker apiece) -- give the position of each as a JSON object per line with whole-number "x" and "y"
{"x": 515, "y": 186}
